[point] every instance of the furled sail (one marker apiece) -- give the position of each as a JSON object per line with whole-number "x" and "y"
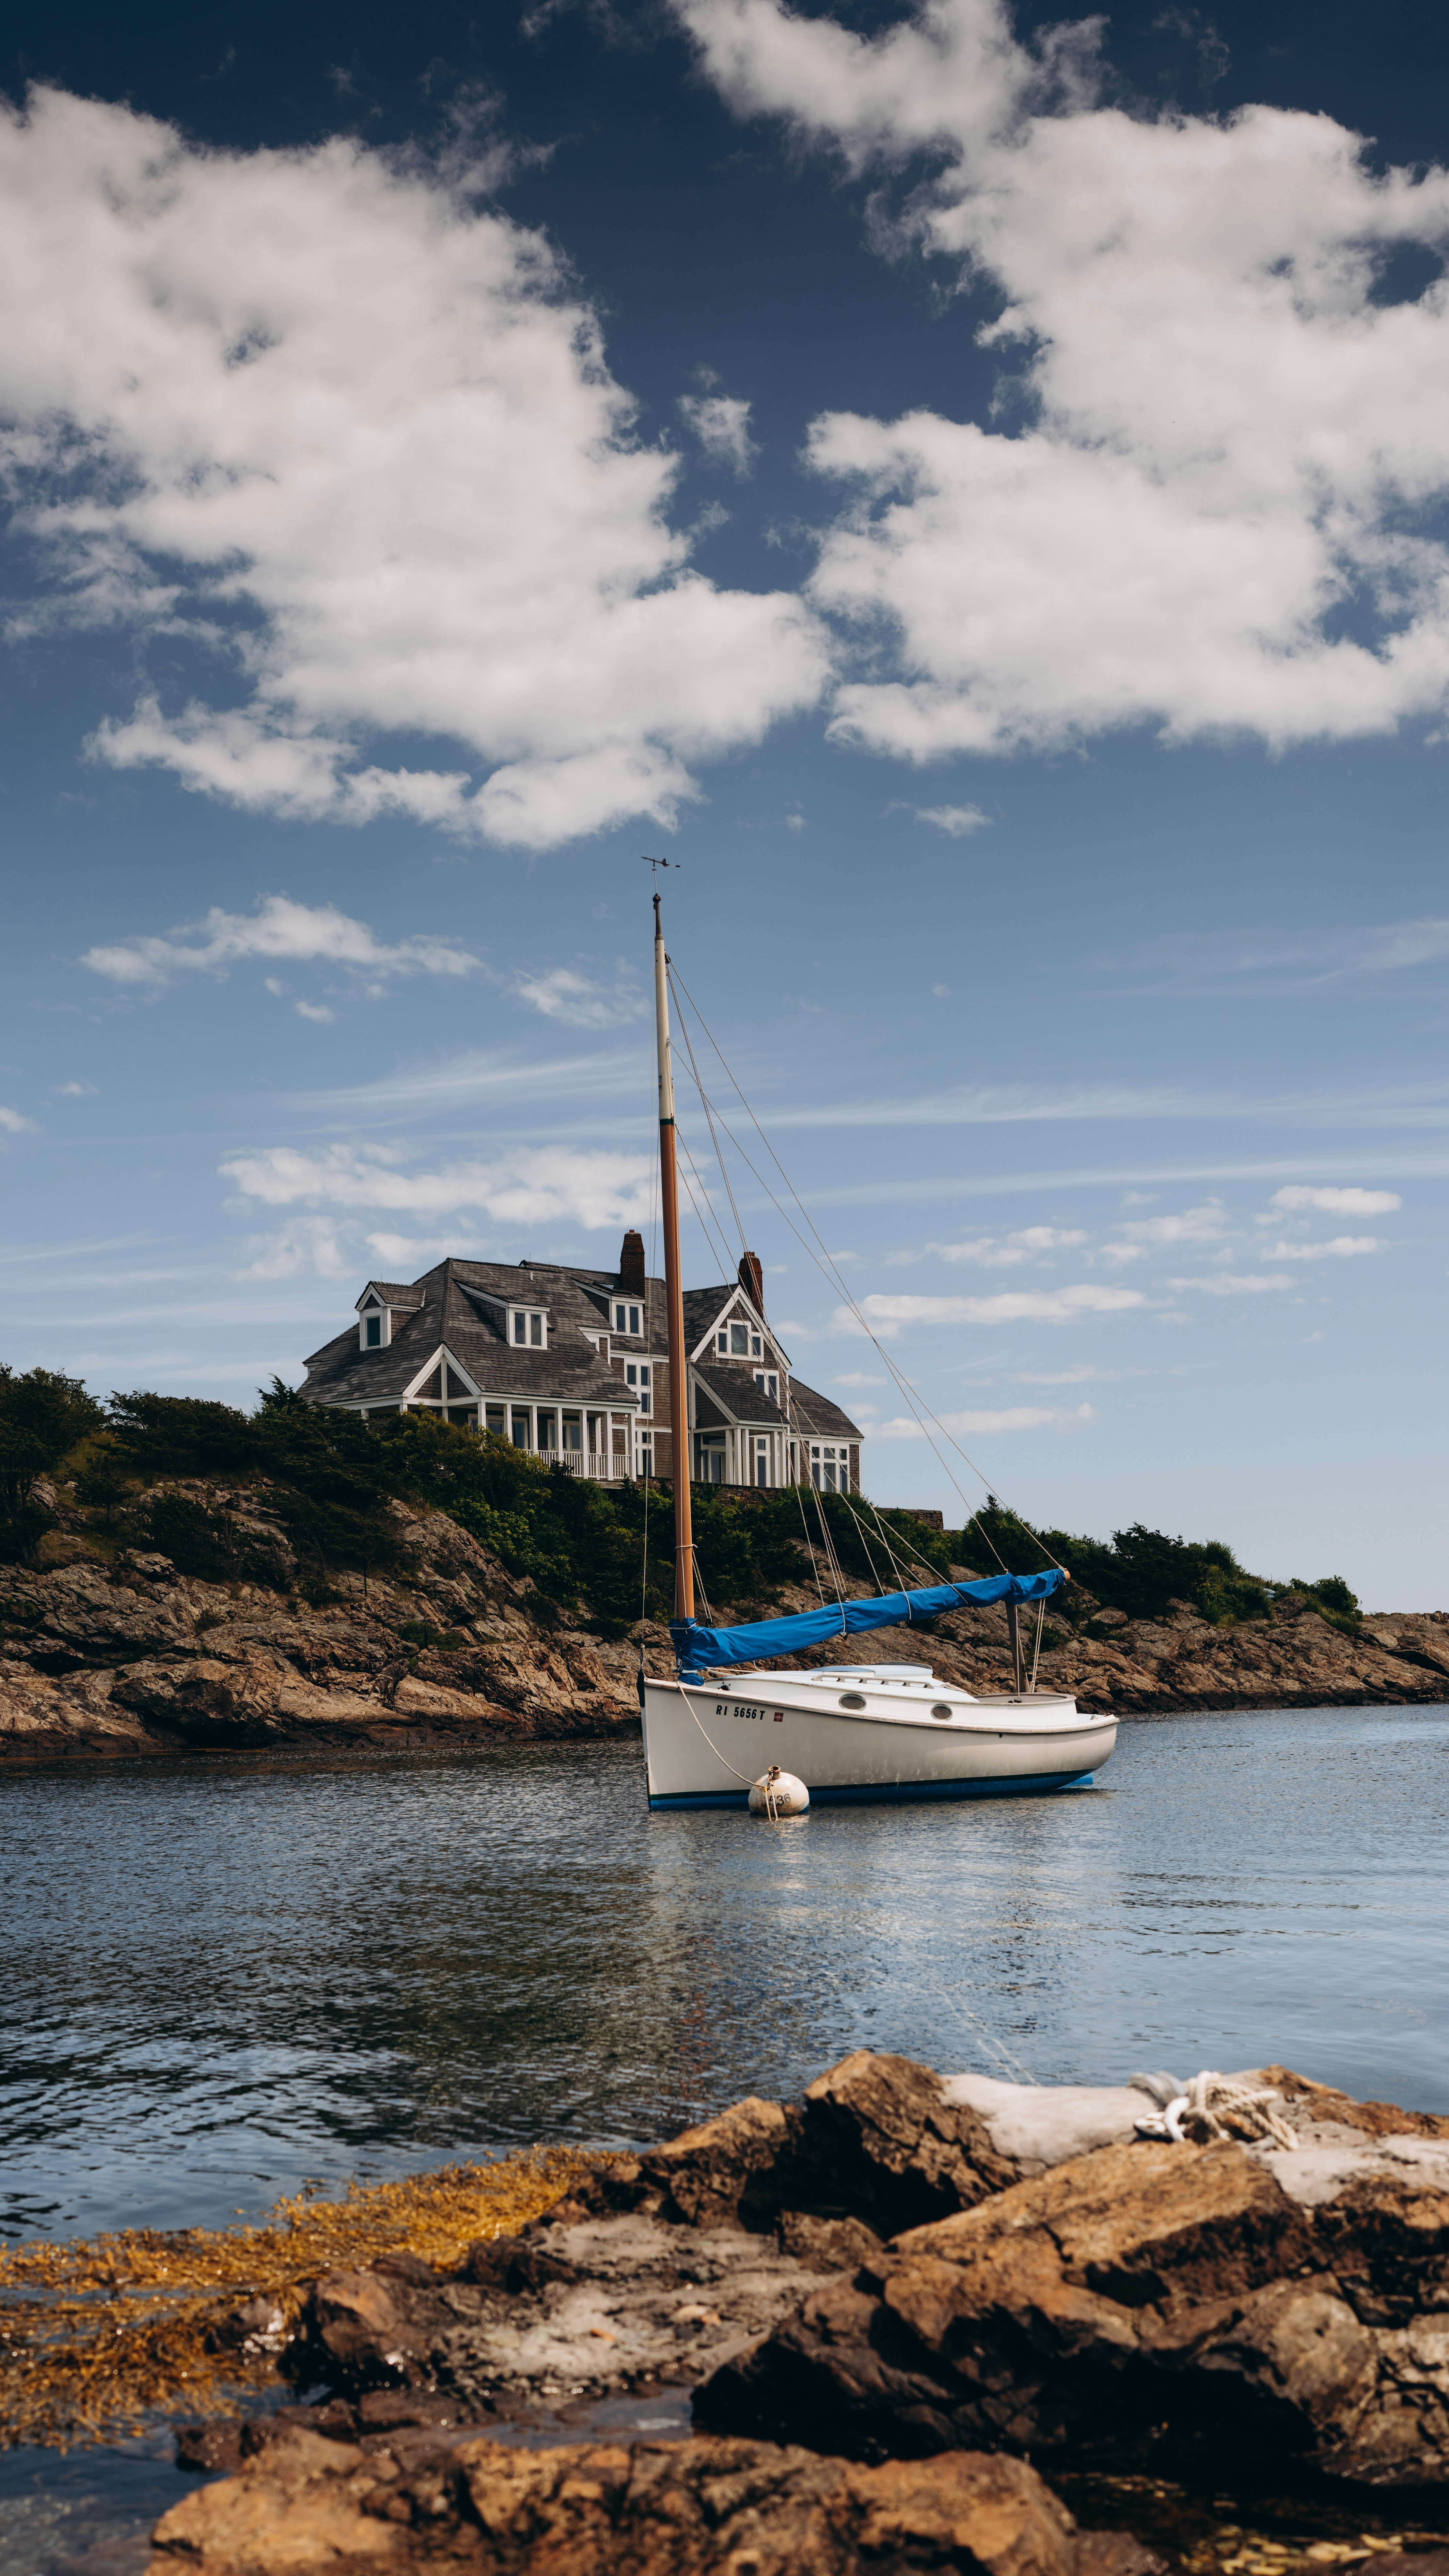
{"x": 700, "y": 1649}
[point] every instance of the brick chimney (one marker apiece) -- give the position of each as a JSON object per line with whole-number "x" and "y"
{"x": 631, "y": 1263}
{"x": 752, "y": 1278}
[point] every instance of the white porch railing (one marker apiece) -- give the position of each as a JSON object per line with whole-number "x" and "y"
{"x": 608, "y": 1467}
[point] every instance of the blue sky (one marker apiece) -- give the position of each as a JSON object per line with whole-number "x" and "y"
{"x": 973, "y": 497}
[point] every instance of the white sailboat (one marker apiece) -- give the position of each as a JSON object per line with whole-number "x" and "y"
{"x": 873, "y": 1731}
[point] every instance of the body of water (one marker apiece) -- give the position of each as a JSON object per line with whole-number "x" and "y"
{"x": 224, "y": 1976}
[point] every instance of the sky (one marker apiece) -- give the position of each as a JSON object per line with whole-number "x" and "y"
{"x": 969, "y": 490}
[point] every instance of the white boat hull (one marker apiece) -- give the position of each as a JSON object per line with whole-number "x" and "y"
{"x": 704, "y": 1745}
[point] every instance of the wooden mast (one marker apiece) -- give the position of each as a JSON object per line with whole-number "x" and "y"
{"x": 673, "y": 1293}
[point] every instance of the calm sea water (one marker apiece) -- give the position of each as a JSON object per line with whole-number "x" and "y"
{"x": 222, "y": 1976}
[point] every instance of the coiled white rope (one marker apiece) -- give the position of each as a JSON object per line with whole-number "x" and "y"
{"x": 1214, "y": 2107}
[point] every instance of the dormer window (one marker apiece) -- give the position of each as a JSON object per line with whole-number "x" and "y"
{"x": 528, "y": 1328}
{"x": 626, "y": 1319}
{"x": 372, "y": 1332}
{"x": 374, "y": 1325}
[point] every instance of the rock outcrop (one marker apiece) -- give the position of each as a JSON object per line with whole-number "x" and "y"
{"x": 1201, "y": 2312}
{"x": 693, "y": 2508}
{"x": 106, "y": 1652}
{"x": 1192, "y": 2310}
{"x": 116, "y": 1655}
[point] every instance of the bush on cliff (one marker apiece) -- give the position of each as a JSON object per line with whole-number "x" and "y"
{"x": 1142, "y": 1571}
{"x": 43, "y": 1415}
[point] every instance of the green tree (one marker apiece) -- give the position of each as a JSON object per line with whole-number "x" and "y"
{"x": 43, "y": 1415}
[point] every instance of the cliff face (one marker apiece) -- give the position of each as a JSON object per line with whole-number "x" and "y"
{"x": 122, "y": 1655}
{"x": 116, "y": 1653}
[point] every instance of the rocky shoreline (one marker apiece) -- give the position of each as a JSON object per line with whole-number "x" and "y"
{"x": 107, "y": 1652}
{"x": 863, "y": 2332}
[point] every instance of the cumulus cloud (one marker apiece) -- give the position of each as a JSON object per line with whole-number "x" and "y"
{"x": 548, "y": 1186}
{"x": 1014, "y": 1417}
{"x": 1340, "y": 1247}
{"x": 353, "y": 435}
{"x": 562, "y": 994}
{"x": 887, "y": 1316}
{"x": 1223, "y": 511}
{"x": 957, "y": 821}
{"x": 721, "y": 423}
{"x": 1339, "y": 1202}
{"x": 14, "y": 1125}
{"x": 279, "y": 928}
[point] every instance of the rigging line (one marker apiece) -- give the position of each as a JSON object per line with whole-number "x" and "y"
{"x": 809, "y": 1544}
{"x": 895, "y": 1563}
{"x": 902, "y": 1382}
{"x": 649, "y": 1274}
{"x": 885, "y": 1539}
{"x": 702, "y": 1222}
{"x": 865, "y": 1543}
{"x": 825, "y": 1263}
{"x": 831, "y": 1559}
{"x": 709, "y": 1120}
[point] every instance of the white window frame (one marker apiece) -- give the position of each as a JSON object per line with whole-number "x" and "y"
{"x": 534, "y": 1335}
{"x": 373, "y": 1307}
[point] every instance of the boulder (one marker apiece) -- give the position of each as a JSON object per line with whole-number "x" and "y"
{"x": 695, "y": 2508}
{"x": 1188, "y": 2310}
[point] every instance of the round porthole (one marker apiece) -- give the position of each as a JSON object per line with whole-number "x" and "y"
{"x": 940, "y": 1709}
{"x": 851, "y": 1699}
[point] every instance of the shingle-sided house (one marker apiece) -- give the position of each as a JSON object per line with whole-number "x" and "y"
{"x": 573, "y": 1364}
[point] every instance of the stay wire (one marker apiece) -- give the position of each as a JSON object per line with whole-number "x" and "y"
{"x": 831, "y": 1272}
{"x": 714, "y": 1140}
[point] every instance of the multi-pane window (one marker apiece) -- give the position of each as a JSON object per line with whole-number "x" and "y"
{"x": 831, "y": 1472}
{"x": 769, "y": 1384}
{"x": 637, "y": 1374}
{"x": 530, "y": 1330}
{"x": 626, "y": 1319}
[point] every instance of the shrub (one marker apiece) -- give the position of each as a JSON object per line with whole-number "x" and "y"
{"x": 42, "y": 1416}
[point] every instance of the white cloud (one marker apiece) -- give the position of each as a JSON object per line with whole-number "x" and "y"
{"x": 314, "y": 1011}
{"x": 73, "y": 1090}
{"x": 1015, "y": 1417}
{"x": 563, "y": 995}
{"x": 860, "y": 1377}
{"x": 1339, "y": 1202}
{"x": 549, "y": 1186}
{"x": 349, "y": 432}
{"x": 1203, "y": 1224}
{"x": 1234, "y": 441}
{"x": 957, "y": 821}
{"x": 1341, "y": 1247}
{"x": 887, "y": 1316}
{"x": 306, "y": 1247}
{"x": 1225, "y": 1283}
{"x": 721, "y": 423}
{"x": 307, "y": 933}
{"x": 1029, "y": 1243}
{"x": 14, "y": 1125}
{"x": 1062, "y": 1377}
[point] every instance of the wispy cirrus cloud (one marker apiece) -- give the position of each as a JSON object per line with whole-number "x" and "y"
{"x": 1228, "y": 1283}
{"x": 1339, "y": 1247}
{"x": 888, "y": 1316}
{"x": 278, "y": 930}
{"x": 1012, "y": 1417}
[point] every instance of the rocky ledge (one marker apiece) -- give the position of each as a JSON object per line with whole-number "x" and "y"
{"x": 118, "y": 1654}
{"x": 870, "y": 2302}
{"x": 113, "y": 1652}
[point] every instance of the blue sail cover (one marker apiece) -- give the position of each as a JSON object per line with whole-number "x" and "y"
{"x": 699, "y": 1648}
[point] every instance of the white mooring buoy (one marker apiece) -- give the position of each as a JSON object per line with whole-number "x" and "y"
{"x": 779, "y": 1793}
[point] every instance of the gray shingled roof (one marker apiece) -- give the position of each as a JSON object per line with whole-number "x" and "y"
{"x": 394, "y": 1292}
{"x": 817, "y": 1418}
{"x": 570, "y": 1371}
{"x": 735, "y": 1389}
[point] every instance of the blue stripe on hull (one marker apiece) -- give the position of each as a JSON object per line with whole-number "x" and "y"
{"x": 869, "y": 1791}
